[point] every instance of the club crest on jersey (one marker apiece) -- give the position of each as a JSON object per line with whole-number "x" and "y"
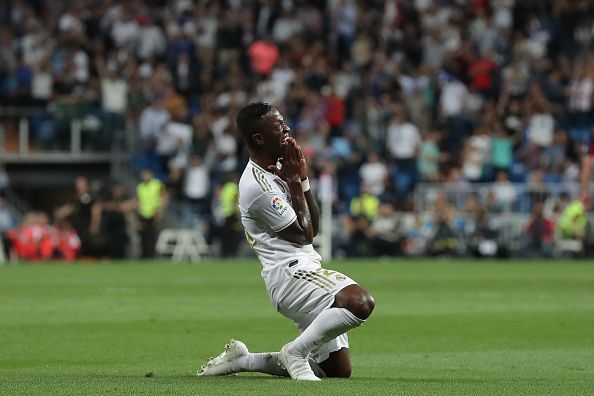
{"x": 279, "y": 205}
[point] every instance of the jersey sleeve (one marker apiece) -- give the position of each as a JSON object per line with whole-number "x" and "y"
{"x": 273, "y": 210}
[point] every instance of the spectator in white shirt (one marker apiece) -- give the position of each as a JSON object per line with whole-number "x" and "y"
{"x": 196, "y": 189}
{"x": 580, "y": 96}
{"x": 114, "y": 101}
{"x": 152, "y": 121}
{"x": 403, "y": 140}
{"x": 373, "y": 175}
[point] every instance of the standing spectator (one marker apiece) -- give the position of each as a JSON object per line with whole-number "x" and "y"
{"x": 152, "y": 202}
{"x": 453, "y": 106}
{"x": 197, "y": 189}
{"x": 7, "y": 222}
{"x": 231, "y": 232}
{"x": 403, "y": 140}
{"x": 263, "y": 56}
{"x": 152, "y": 121}
{"x": 501, "y": 149}
{"x": 83, "y": 213}
{"x": 541, "y": 124}
{"x": 373, "y": 175}
{"x": 114, "y": 223}
{"x": 151, "y": 41}
{"x": 114, "y": 101}
{"x": 429, "y": 157}
{"x": 580, "y": 96}
{"x": 476, "y": 155}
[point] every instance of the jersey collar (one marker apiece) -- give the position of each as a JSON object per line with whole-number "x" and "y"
{"x": 259, "y": 167}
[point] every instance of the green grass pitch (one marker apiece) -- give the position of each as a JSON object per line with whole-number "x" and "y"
{"x": 439, "y": 328}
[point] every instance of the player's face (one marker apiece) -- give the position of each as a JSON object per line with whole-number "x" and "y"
{"x": 275, "y": 132}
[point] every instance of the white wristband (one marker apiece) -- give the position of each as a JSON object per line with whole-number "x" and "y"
{"x": 305, "y": 185}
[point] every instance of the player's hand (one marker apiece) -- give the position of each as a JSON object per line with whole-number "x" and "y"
{"x": 303, "y": 162}
{"x": 291, "y": 169}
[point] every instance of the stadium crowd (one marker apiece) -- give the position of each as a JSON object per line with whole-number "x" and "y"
{"x": 382, "y": 95}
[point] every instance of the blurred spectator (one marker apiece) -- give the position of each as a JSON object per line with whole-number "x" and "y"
{"x": 366, "y": 205}
{"x": 429, "y": 158}
{"x": 359, "y": 237}
{"x": 7, "y": 222}
{"x": 114, "y": 99}
{"x": 541, "y": 124}
{"x": 385, "y": 232}
{"x": 504, "y": 191}
{"x": 114, "y": 223}
{"x": 403, "y": 140}
{"x": 153, "y": 120}
{"x": 263, "y": 56}
{"x": 540, "y": 233}
{"x": 83, "y": 213}
{"x": 476, "y": 156}
{"x": 580, "y": 92}
{"x": 4, "y": 179}
{"x": 152, "y": 201}
{"x": 483, "y": 235}
{"x": 572, "y": 221}
{"x": 445, "y": 241}
{"x": 373, "y": 175}
{"x": 502, "y": 149}
{"x": 197, "y": 190}
{"x": 66, "y": 243}
{"x": 231, "y": 231}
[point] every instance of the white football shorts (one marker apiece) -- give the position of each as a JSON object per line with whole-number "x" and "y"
{"x": 300, "y": 290}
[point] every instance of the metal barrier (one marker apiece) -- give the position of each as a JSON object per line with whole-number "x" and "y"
{"x": 49, "y": 136}
{"x": 519, "y": 200}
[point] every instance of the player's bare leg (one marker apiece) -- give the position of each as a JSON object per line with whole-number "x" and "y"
{"x": 352, "y": 306}
{"x": 338, "y": 364}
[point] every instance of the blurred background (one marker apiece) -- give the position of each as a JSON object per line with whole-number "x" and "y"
{"x": 431, "y": 127}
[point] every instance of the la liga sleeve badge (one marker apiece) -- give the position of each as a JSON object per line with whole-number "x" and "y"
{"x": 279, "y": 205}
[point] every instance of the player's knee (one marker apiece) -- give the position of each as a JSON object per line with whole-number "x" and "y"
{"x": 343, "y": 372}
{"x": 361, "y": 305}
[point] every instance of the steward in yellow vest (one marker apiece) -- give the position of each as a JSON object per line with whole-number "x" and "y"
{"x": 152, "y": 201}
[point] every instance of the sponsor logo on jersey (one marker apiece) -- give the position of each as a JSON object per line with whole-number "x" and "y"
{"x": 279, "y": 205}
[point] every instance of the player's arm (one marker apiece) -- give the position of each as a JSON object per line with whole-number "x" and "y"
{"x": 309, "y": 198}
{"x": 313, "y": 211}
{"x": 301, "y": 231}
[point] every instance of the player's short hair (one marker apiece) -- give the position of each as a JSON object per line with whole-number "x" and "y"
{"x": 246, "y": 117}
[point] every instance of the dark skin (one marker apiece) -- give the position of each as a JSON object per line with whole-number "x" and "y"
{"x": 273, "y": 143}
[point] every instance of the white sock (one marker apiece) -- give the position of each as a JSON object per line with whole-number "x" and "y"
{"x": 328, "y": 325}
{"x": 267, "y": 363}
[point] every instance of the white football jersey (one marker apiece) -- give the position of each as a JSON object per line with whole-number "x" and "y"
{"x": 266, "y": 208}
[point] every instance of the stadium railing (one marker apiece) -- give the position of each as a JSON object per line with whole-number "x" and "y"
{"x": 53, "y": 134}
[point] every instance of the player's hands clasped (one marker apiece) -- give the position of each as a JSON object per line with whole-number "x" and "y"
{"x": 294, "y": 166}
